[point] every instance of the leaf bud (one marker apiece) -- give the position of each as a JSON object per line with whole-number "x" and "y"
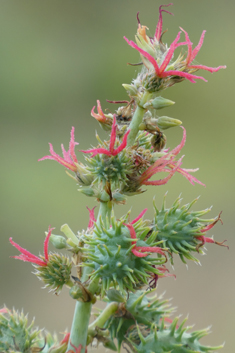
{"x": 164, "y": 122}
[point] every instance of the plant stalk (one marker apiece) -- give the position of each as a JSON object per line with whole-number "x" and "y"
{"x": 103, "y": 317}
{"x": 82, "y": 313}
{"x": 137, "y": 119}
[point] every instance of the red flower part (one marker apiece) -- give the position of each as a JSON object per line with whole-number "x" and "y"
{"x": 188, "y": 176}
{"x": 137, "y": 250}
{"x": 158, "y": 167}
{"x": 160, "y": 71}
{"x": 100, "y": 116}
{"x": 77, "y": 349}
{"x": 211, "y": 240}
{"x": 65, "y": 339}
{"x": 155, "y": 276}
{"x": 28, "y": 256}
{"x": 92, "y": 217}
{"x": 140, "y": 215}
{"x": 111, "y": 151}
{"x": 193, "y": 53}
{"x": 3, "y": 311}
{"x": 69, "y": 158}
{"x": 163, "y": 270}
{"x": 167, "y": 164}
{"x": 158, "y": 32}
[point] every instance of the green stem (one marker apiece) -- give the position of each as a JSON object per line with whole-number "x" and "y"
{"x": 78, "y": 334}
{"x": 104, "y": 215}
{"x": 103, "y": 317}
{"x": 137, "y": 119}
{"x": 82, "y": 313}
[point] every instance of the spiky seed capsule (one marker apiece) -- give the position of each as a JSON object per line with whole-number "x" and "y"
{"x": 109, "y": 168}
{"x": 109, "y": 253}
{"x": 57, "y": 272}
{"x": 171, "y": 339}
{"x": 138, "y": 309}
{"x": 179, "y": 229}
{"x": 15, "y": 333}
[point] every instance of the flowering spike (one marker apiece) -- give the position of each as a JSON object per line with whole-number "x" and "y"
{"x": 161, "y": 72}
{"x": 69, "y": 159}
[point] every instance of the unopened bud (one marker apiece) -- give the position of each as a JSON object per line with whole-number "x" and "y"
{"x": 117, "y": 197}
{"x": 69, "y": 233}
{"x": 160, "y": 102}
{"x": 76, "y": 292}
{"x": 87, "y": 191}
{"x": 164, "y": 122}
{"x": 131, "y": 90}
{"x": 83, "y": 175}
{"x": 58, "y": 241}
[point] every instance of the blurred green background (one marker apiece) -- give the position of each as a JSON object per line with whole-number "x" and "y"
{"x": 57, "y": 58}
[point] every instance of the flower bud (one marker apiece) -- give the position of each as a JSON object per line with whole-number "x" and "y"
{"x": 69, "y": 233}
{"x": 76, "y": 292}
{"x": 119, "y": 198}
{"x": 131, "y": 89}
{"x": 87, "y": 191}
{"x": 159, "y": 103}
{"x": 83, "y": 175}
{"x": 164, "y": 122}
{"x": 58, "y": 241}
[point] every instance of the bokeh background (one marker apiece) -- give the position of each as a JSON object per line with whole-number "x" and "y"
{"x": 57, "y": 58}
